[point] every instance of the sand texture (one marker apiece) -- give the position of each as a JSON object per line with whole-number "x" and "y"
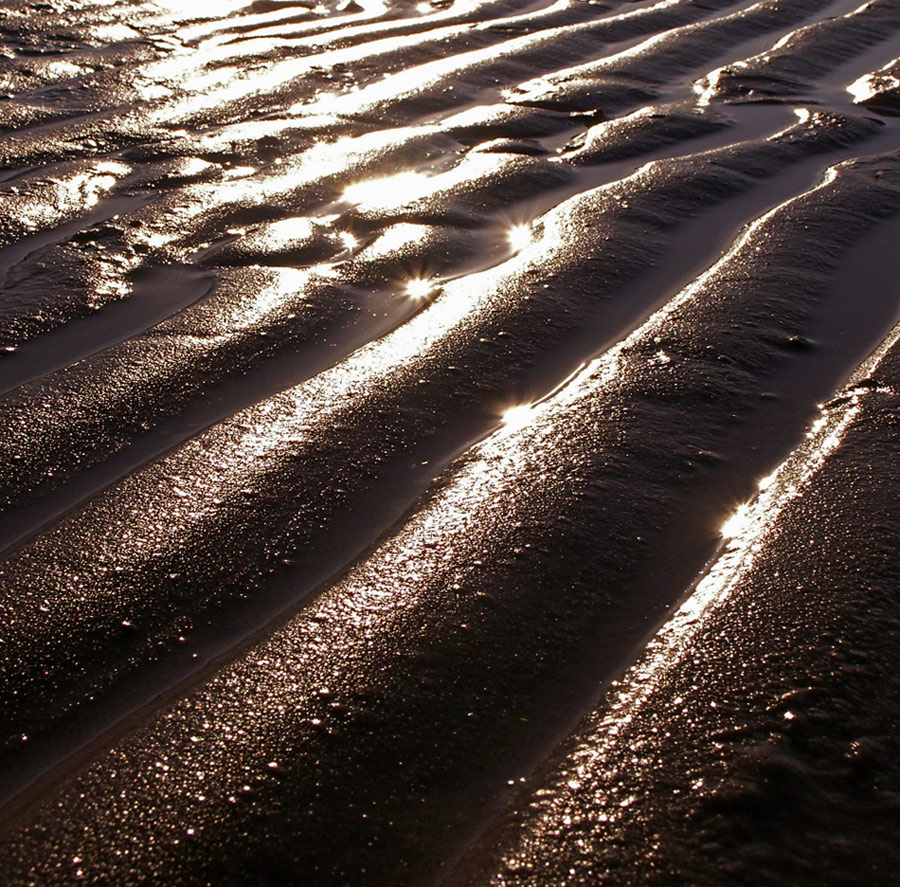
{"x": 449, "y": 442}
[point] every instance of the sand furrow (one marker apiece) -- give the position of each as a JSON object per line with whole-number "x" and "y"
{"x": 456, "y": 614}
{"x": 376, "y": 376}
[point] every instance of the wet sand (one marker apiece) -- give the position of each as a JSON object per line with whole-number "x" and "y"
{"x": 379, "y": 381}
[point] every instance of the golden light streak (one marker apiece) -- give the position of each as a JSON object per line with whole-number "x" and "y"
{"x": 394, "y": 239}
{"x": 387, "y": 190}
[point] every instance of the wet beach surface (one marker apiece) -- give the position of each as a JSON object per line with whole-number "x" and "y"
{"x": 449, "y": 442}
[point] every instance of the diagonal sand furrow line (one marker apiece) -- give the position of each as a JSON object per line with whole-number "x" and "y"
{"x": 59, "y": 425}
{"x": 509, "y": 58}
{"x": 188, "y": 79}
{"x": 668, "y": 16}
{"x": 795, "y": 65}
{"x": 763, "y": 707}
{"x": 453, "y": 637}
{"x": 378, "y": 377}
{"x": 196, "y": 533}
{"x": 682, "y": 43}
{"x": 419, "y": 86}
{"x": 202, "y": 210}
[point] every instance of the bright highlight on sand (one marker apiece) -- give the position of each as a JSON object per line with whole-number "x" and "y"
{"x": 517, "y": 417}
{"x": 737, "y": 523}
{"x": 419, "y": 288}
{"x": 387, "y": 190}
{"x": 519, "y": 236}
{"x": 458, "y": 332}
{"x": 870, "y": 85}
